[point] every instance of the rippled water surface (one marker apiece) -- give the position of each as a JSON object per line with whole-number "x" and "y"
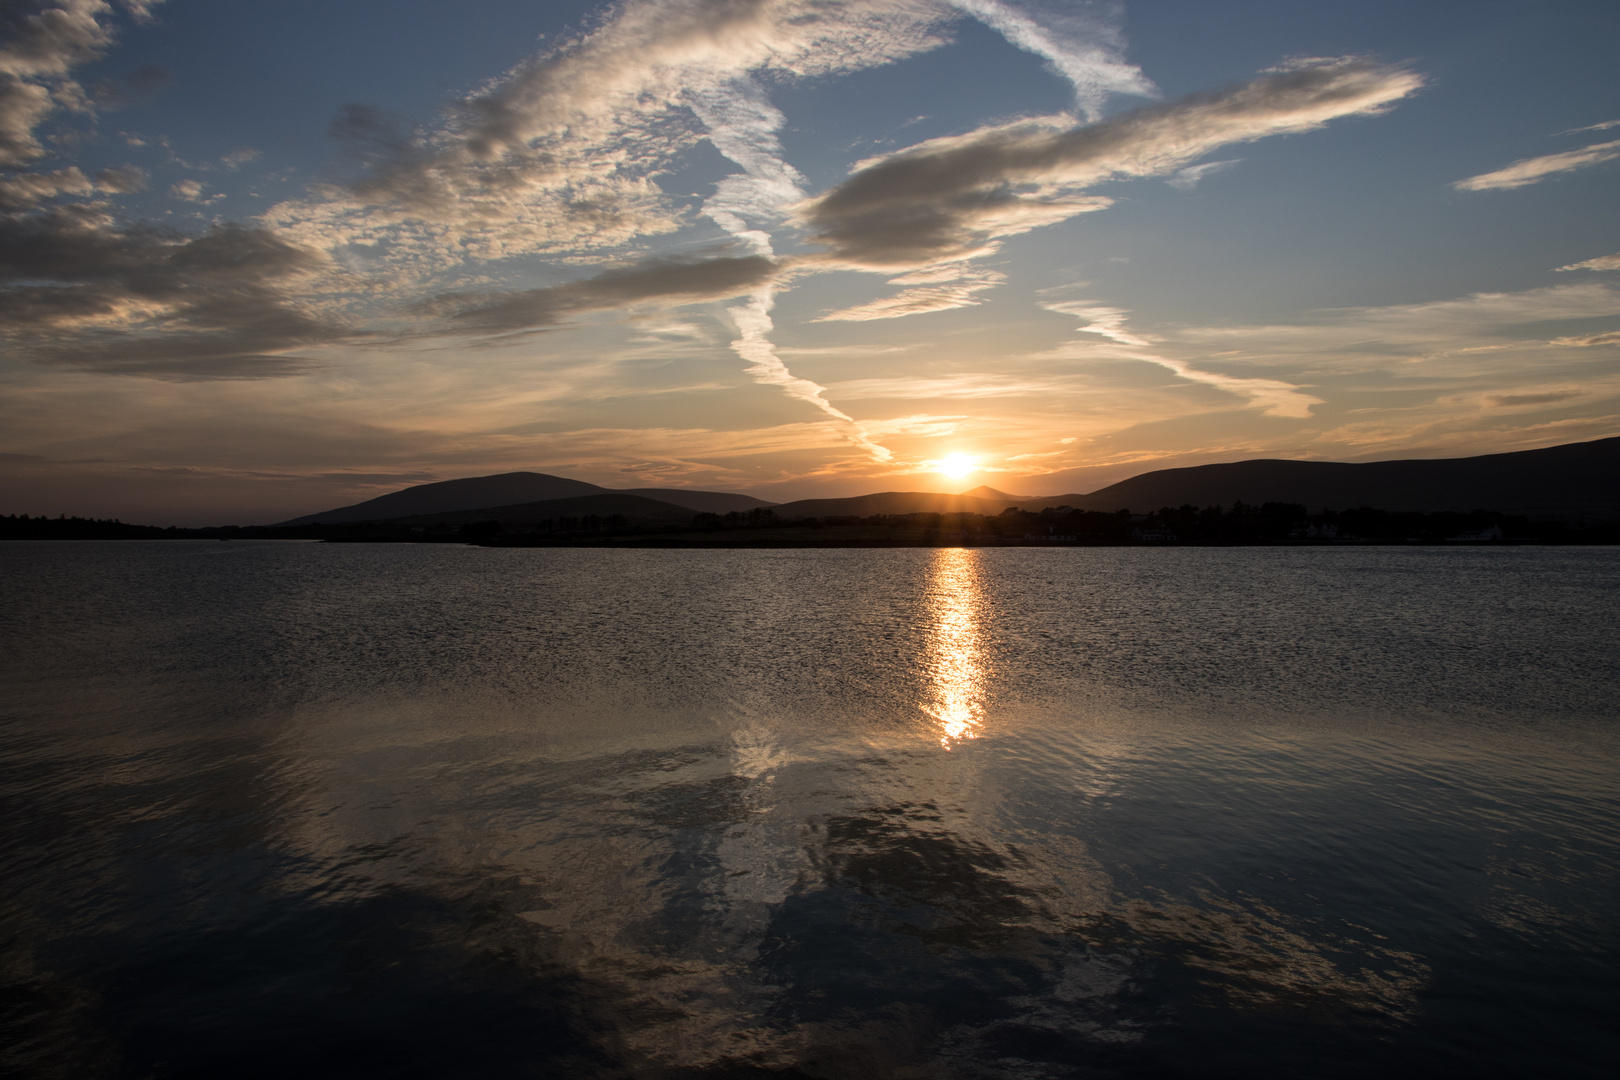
{"x": 303, "y": 810}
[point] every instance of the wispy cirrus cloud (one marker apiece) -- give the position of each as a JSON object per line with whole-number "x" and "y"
{"x": 1187, "y": 179}
{"x": 940, "y": 288}
{"x": 742, "y": 124}
{"x": 1586, "y": 341}
{"x": 1081, "y": 44}
{"x": 1484, "y": 332}
{"x": 1108, "y": 322}
{"x": 561, "y": 153}
{"x": 1605, "y": 126}
{"x": 1602, "y": 262}
{"x": 1273, "y": 397}
{"x": 1534, "y": 170}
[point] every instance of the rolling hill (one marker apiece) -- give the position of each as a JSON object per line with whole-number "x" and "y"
{"x": 506, "y": 490}
{"x": 636, "y": 508}
{"x": 1576, "y": 481}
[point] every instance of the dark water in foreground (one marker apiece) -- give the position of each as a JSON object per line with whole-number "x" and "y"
{"x": 287, "y": 810}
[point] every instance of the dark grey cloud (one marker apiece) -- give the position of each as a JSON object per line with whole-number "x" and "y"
{"x": 681, "y": 281}
{"x": 951, "y": 198}
{"x": 22, "y": 190}
{"x": 78, "y": 292}
{"x": 41, "y": 42}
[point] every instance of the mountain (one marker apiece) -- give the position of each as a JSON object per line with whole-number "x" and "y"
{"x": 713, "y": 502}
{"x": 892, "y": 502}
{"x": 1576, "y": 481}
{"x": 985, "y": 491}
{"x": 512, "y": 489}
{"x": 607, "y": 503}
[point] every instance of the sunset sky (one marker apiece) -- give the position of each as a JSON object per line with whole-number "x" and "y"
{"x": 262, "y": 259}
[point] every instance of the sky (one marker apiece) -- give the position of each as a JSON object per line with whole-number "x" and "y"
{"x": 259, "y": 260}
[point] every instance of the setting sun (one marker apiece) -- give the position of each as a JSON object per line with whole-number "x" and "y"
{"x": 957, "y": 466}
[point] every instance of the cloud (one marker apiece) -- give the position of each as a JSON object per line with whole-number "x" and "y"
{"x": 1187, "y": 179}
{"x": 1506, "y": 401}
{"x": 1605, "y": 126}
{"x": 671, "y": 281}
{"x": 189, "y": 190}
{"x": 1507, "y": 332}
{"x": 1582, "y": 341}
{"x": 1109, "y": 322}
{"x": 77, "y": 291}
{"x": 25, "y": 189}
{"x": 1082, "y": 45}
{"x": 754, "y": 325}
{"x": 51, "y": 38}
{"x": 937, "y": 289}
{"x": 952, "y": 198}
{"x": 1602, "y": 262}
{"x": 41, "y": 41}
{"x": 742, "y": 124}
{"x": 22, "y": 106}
{"x": 562, "y": 153}
{"x": 1273, "y": 396}
{"x": 968, "y": 386}
{"x": 1532, "y": 170}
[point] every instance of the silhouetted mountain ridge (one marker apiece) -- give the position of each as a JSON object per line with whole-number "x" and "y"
{"x": 1576, "y": 481}
{"x": 508, "y": 490}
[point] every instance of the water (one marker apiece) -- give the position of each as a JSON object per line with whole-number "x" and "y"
{"x": 279, "y": 809}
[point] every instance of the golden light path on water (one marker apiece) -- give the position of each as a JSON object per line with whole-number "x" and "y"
{"x": 955, "y": 654}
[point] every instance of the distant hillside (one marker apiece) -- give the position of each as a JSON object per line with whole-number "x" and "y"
{"x": 713, "y": 502}
{"x": 890, "y": 502}
{"x": 1577, "y": 481}
{"x": 508, "y": 490}
{"x": 637, "y": 508}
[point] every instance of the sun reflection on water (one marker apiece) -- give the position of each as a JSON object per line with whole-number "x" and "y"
{"x": 956, "y": 675}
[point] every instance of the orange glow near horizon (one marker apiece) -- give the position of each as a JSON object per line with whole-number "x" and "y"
{"x": 955, "y": 649}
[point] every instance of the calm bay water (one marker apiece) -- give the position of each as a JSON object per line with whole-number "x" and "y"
{"x": 280, "y": 810}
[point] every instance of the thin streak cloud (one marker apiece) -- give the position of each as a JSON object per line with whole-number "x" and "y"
{"x": 1534, "y": 170}
{"x": 1602, "y": 262}
{"x": 742, "y": 125}
{"x": 1273, "y": 396}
